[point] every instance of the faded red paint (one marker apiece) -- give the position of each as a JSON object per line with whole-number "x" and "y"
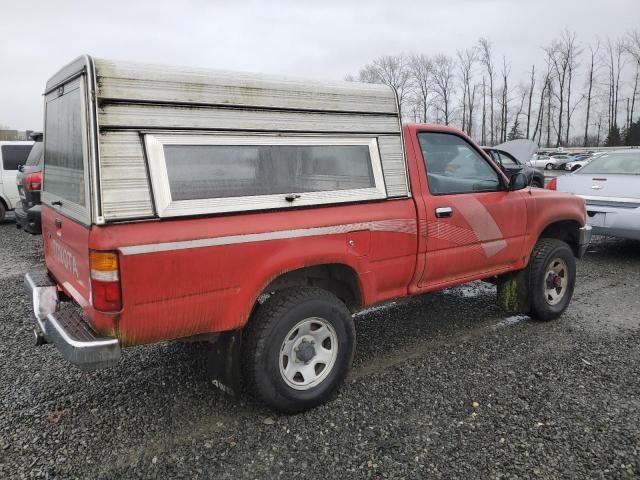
{"x": 173, "y": 294}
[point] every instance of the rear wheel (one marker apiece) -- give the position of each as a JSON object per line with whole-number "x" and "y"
{"x": 3, "y": 211}
{"x": 575, "y": 167}
{"x": 536, "y": 183}
{"x": 552, "y": 276}
{"x": 548, "y": 166}
{"x": 298, "y": 349}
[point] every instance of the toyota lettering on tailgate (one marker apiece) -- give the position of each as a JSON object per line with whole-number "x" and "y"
{"x": 64, "y": 256}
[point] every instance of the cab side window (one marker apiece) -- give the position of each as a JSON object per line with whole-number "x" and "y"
{"x": 454, "y": 166}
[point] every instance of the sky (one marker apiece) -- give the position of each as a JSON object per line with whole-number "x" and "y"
{"x": 317, "y": 39}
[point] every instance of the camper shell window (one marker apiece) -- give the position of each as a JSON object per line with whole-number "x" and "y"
{"x": 212, "y": 174}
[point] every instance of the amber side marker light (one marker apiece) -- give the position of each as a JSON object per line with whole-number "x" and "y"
{"x": 105, "y": 281}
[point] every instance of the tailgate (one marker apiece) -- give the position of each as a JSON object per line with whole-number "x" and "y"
{"x": 66, "y": 247}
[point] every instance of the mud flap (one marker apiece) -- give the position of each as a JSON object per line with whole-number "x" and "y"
{"x": 223, "y": 363}
{"x": 513, "y": 292}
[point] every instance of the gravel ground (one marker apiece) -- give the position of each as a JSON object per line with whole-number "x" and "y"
{"x": 444, "y": 386}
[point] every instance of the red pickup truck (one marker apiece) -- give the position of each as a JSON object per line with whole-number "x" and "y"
{"x": 259, "y": 213}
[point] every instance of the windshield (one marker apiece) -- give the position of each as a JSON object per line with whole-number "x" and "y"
{"x": 618, "y": 163}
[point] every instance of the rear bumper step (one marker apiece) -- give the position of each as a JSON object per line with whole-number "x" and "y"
{"x": 65, "y": 325}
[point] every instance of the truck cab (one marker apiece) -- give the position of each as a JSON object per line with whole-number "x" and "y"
{"x": 260, "y": 213}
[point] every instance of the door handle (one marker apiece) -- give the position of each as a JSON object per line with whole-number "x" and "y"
{"x": 444, "y": 212}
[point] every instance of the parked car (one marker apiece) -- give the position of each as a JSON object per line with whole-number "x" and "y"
{"x": 561, "y": 160}
{"x": 29, "y": 182}
{"x": 12, "y": 155}
{"x": 543, "y": 161}
{"x": 511, "y": 165}
{"x": 263, "y": 218}
{"x": 581, "y": 162}
{"x": 610, "y": 184}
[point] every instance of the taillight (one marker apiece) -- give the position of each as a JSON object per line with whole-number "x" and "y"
{"x": 105, "y": 281}
{"x": 34, "y": 182}
{"x": 553, "y": 184}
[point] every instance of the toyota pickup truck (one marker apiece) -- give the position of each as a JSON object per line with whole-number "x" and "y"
{"x": 259, "y": 213}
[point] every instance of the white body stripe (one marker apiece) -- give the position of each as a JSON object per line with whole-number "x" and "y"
{"x": 407, "y": 226}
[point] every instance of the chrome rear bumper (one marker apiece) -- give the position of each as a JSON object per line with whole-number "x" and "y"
{"x": 64, "y": 325}
{"x": 584, "y": 240}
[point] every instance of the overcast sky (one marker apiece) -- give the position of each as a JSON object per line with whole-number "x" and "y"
{"x": 318, "y": 39}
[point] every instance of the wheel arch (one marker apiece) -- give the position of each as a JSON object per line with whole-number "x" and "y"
{"x": 566, "y": 230}
{"x": 338, "y": 278}
{"x": 4, "y": 201}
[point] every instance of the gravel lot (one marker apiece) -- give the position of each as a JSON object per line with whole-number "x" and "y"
{"x": 444, "y": 386}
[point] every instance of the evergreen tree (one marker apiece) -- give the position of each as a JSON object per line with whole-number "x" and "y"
{"x": 613, "y": 138}
{"x": 515, "y": 133}
{"x": 632, "y": 137}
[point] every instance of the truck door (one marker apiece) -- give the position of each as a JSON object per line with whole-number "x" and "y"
{"x": 474, "y": 225}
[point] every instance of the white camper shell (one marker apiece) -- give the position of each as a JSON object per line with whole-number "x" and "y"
{"x": 109, "y": 163}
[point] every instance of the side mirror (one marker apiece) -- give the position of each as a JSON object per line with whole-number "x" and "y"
{"x": 20, "y": 168}
{"x": 518, "y": 181}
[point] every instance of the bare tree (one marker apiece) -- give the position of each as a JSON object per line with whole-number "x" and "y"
{"x": 593, "y": 54}
{"x": 420, "y": 78}
{"x": 504, "y": 100}
{"x": 486, "y": 57}
{"x": 595, "y": 83}
{"x": 632, "y": 45}
{"x": 466, "y": 62}
{"x": 532, "y": 84}
{"x": 484, "y": 111}
{"x": 560, "y": 64}
{"x": 543, "y": 92}
{"x": 443, "y": 78}
{"x": 633, "y": 95}
{"x": 390, "y": 70}
{"x": 614, "y": 62}
{"x": 571, "y": 50}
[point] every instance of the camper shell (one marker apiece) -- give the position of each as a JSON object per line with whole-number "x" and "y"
{"x": 131, "y": 111}
{"x": 261, "y": 213}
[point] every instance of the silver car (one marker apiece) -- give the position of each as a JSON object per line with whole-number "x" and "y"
{"x": 610, "y": 185}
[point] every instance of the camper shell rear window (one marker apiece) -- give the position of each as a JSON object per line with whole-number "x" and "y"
{"x": 65, "y": 150}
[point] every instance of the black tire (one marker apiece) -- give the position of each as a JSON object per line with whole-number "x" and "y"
{"x": 575, "y": 167}
{"x": 548, "y": 166}
{"x": 263, "y": 344}
{"x": 3, "y": 211}
{"x": 535, "y": 183}
{"x": 547, "y": 253}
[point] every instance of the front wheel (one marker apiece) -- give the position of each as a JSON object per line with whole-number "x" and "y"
{"x": 298, "y": 348}
{"x": 3, "y": 211}
{"x": 552, "y": 277}
{"x": 548, "y": 166}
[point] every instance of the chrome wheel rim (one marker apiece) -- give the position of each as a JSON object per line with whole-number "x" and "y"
{"x": 308, "y": 353}
{"x": 556, "y": 280}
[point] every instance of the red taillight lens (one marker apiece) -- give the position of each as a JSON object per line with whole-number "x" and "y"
{"x": 34, "y": 182}
{"x": 105, "y": 281}
{"x": 106, "y": 296}
{"x": 553, "y": 184}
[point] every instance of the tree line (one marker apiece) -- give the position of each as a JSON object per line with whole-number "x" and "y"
{"x": 583, "y": 94}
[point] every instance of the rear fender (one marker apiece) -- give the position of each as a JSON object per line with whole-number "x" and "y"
{"x": 280, "y": 264}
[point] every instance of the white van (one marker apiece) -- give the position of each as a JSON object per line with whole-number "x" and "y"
{"x": 12, "y": 155}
